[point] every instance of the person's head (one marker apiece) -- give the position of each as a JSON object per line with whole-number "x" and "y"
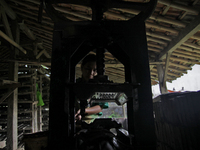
{"x": 88, "y": 67}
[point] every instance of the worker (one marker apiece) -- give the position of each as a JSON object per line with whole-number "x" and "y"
{"x": 89, "y": 70}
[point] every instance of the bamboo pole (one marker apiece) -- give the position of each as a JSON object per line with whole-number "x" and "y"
{"x": 156, "y": 46}
{"x": 180, "y": 66}
{"x": 26, "y": 5}
{"x": 160, "y": 27}
{"x": 191, "y": 53}
{"x": 191, "y": 45}
{"x": 183, "y": 60}
{"x": 159, "y": 36}
{"x": 168, "y": 78}
{"x": 156, "y": 40}
{"x": 154, "y": 49}
{"x": 156, "y": 18}
{"x": 38, "y": 25}
{"x": 35, "y": 18}
{"x": 46, "y": 32}
{"x": 196, "y": 37}
{"x": 63, "y": 10}
{"x": 187, "y": 55}
{"x": 172, "y": 70}
{"x": 189, "y": 49}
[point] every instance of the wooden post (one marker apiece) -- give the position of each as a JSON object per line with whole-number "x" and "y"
{"x": 34, "y": 104}
{"x": 166, "y": 68}
{"x": 40, "y": 108}
{"x": 12, "y": 116}
{"x": 162, "y": 85}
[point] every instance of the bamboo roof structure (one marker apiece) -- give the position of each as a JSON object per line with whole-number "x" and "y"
{"x": 172, "y": 32}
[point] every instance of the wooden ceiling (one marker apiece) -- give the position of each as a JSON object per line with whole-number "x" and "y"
{"x": 173, "y": 35}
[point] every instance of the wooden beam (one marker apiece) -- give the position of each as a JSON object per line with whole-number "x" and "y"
{"x": 155, "y": 63}
{"x": 6, "y": 23}
{"x": 163, "y": 88}
{"x": 43, "y": 52}
{"x": 156, "y": 40}
{"x": 12, "y": 42}
{"x": 27, "y": 31}
{"x": 165, "y": 10}
{"x": 39, "y": 25}
{"x": 192, "y": 45}
{"x": 187, "y": 55}
{"x": 160, "y": 27}
{"x": 28, "y": 62}
{"x": 179, "y": 6}
{"x": 183, "y": 60}
{"x": 167, "y": 20}
{"x": 6, "y": 95}
{"x": 166, "y": 68}
{"x": 159, "y": 36}
{"x": 154, "y": 49}
{"x": 3, "y": 82}
{"x": 35, "y": 18}
{"x": 10, "y": 86}
{"x": 180, "y": 66}
{"x": 40, "y": 71}
{"x": 8, "y": 10}
{"x": 184, "y": 35}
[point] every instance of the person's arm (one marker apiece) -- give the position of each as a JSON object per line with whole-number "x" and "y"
{"x": 93, "y": 110}
{"x": 89, "y": 111}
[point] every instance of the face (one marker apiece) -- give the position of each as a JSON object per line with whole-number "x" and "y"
{"x": 88, "y": 70}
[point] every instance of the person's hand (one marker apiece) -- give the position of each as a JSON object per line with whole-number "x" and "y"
{"x": 78, "y": 115}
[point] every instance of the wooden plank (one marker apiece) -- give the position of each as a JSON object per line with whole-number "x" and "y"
{"x": 184, "y": 35}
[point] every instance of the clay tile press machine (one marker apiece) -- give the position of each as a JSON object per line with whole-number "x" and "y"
{"x": 125, "y": 40}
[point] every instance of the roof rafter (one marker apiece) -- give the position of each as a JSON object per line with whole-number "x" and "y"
{"x": 184, "y": 35}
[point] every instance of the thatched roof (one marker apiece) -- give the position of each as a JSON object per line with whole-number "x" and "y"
{"x": 173, "y": 29}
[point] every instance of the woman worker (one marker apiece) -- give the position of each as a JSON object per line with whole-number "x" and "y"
{"x": 88, "y": 69}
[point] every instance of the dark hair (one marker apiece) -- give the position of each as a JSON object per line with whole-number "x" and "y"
{"x": 89, "y": 58}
